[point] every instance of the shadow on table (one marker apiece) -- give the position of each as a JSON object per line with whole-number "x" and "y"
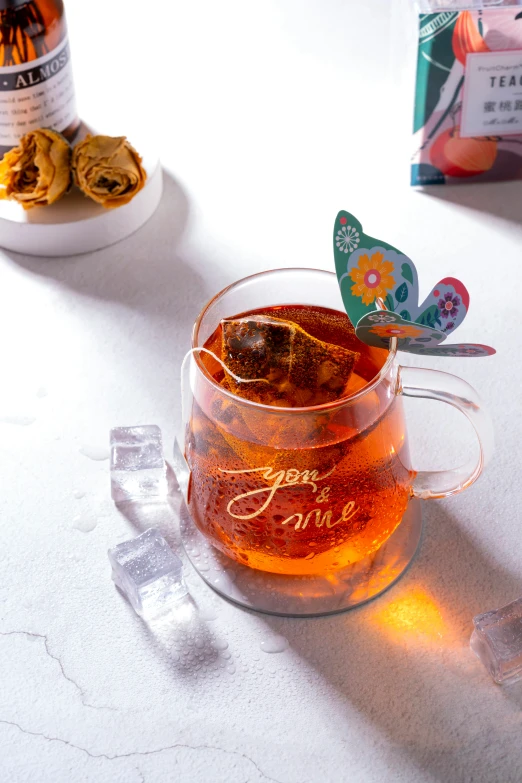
{"x": 403, "y": 661}
{"x": 180, "y": 636}
{"x": 145, "y": 272}
{"x": 501, "y": 199}
{"x": 161, "y": 514}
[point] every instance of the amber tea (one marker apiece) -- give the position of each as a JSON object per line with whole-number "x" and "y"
{"x": 293, "y": 470}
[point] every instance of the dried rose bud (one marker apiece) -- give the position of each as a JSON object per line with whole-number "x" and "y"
{"x": 38, "y": 171}
{"x": 108, "y": 170}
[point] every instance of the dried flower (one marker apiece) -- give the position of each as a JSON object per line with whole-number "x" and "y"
{"x": 38, "y": 171}
{"x": 108, "y": 170}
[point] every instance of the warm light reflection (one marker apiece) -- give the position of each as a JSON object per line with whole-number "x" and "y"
{"x": 415, "y": 613}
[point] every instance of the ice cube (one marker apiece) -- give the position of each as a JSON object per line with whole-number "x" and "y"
{"x": 497, "y": 641}
{"x": 148, "y": 573}
{"x": 294, "y": 369}
{"x": 138, "y": 470}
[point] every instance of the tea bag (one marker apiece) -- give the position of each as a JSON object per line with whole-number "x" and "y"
{"x": 282, "y": 364}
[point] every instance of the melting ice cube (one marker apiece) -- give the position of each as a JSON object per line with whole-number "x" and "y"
{"x": 497, "y": 641}
{"x": 148, "y": 573}
{"x": 138, "y": 470}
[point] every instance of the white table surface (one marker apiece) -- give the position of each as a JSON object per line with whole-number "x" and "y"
{"x": 269, "y": 118}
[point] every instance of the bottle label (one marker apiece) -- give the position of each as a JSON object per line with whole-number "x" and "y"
{"x": 37, "y": 94}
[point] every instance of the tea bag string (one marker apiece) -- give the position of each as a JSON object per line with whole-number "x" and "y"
{"x": 219, "y": 361}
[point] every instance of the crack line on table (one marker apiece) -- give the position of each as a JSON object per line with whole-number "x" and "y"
{"x": 59, "y": 662}
{"x": 138, "y": 752}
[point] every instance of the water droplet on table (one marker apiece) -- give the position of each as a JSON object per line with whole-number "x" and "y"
{"x": 78, "y": 494}
{"x": 84, "y": 522}
{"x": 94, "y": 452}
{"x": 274, "y": 644}
{"x": 18, "y": 419}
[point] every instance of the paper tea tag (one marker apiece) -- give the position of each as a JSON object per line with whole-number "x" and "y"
{"x": 373, "y": 275}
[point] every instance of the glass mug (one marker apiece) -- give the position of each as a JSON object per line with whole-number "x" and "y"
{"x": 302, "y": 491}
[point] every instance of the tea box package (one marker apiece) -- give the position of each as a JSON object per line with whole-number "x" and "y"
{"x": 467, "y": 123}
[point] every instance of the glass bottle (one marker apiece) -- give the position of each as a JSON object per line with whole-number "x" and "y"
{"x": 36, "y": 85}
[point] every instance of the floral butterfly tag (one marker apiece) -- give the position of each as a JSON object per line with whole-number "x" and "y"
{"x": 380, "y": 291}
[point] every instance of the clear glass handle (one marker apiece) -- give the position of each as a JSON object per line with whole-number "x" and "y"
{"x": 436, "y": 385}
